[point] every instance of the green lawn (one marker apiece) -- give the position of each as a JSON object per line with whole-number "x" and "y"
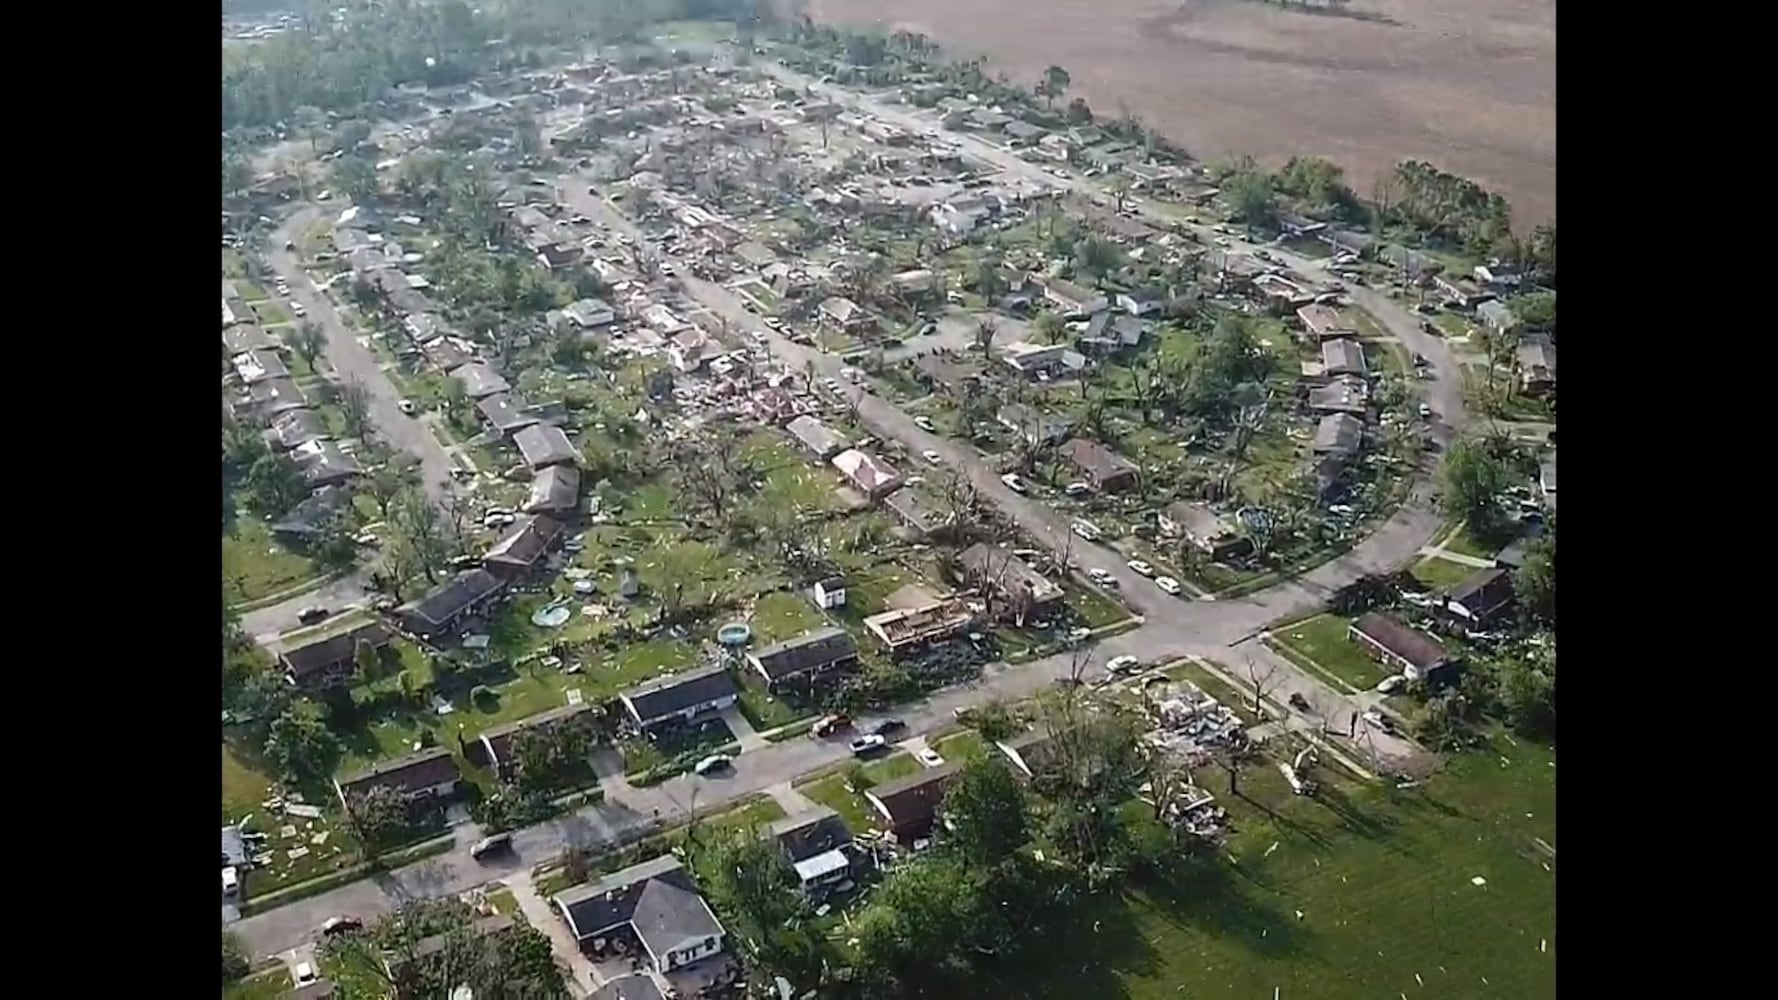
{"x": 1094, "y": 608}
{"x": 245, "y": 787}
{"x": 853, "y": 808}
{"x": 504, "y": 903}
{"x": 889, "y": 769}
{"x": 967, "y": 745}
{"x": 249, "y": 292}
{"x": 1322, "y": 641}
{"x": 1382, "y": 879}
{"x": 1438, "y": 574}
{"x": 754, "y": 813}
{"x": 1461, "y": 542}
{"x": 268, "y": 985}
{"x": 765, "y": 710}
{"x": 782, "y": 615}
{"x": 255, "y": 566}
{"x": 271, "y": 312}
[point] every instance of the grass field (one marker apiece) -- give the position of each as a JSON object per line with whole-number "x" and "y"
{"x": 1461, "y": 542}
{"x": 254, "y": 566}
{"x": 268, "y": 985}
{"x": 831, "y": 792}
{"x": 1322, "y": 641}
{"x": 1381, "y": 877}
{"x": 1439, "y": 573}
{"x": 967, "y": 745}
{"x": 244, "y": 788}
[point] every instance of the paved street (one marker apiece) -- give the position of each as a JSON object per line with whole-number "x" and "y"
{"x": 1223, "y": 631}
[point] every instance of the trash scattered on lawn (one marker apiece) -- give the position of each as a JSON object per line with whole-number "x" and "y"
{"x": 1544, "y": 946}
{"x": 1270, "y": 849}
{"x": 1478, "y": 880}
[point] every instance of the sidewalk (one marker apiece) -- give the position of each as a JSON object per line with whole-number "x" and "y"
{"x": 561, "y": 942}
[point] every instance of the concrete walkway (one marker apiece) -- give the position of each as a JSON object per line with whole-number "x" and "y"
{"x": 562, "y": 945}
{"x": 793, "y": 801}
{"x": 1437, "y": 552}
{"x": 745, "y": 734}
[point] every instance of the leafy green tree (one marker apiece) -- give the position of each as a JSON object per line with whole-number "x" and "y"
{"x": 1474, "y": 481}
{"x": 307, "y": 342}
{"x": 986, "y": 811}
{"x": 1079, "y": 112}
{"x": 1536, "y": 311}
{"x": 356, "y": 175}
{"x": 300, "y": 743}
{"x": 1054, "y": 84}
{"x": 752, "y": 883}
{"x": 1097, "y": 257}
{"x": 1251, "y": 197}
{"x": 274, "y": 485}
{"x": 381, "y": 816}
{"x": 912, "y": 936}
{"x": 1534, "y": 582}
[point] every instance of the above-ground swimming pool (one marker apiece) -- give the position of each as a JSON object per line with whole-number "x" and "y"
{"x": 552, "y": 616}
{"x": 734, "y": 634}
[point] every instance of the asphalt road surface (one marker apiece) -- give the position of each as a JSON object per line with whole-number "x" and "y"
{"x": 1224, "y": 631}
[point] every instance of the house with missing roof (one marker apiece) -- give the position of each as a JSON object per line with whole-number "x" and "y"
{"x": 996, "y": 571}
{"x": 429, "y": 773}
{"x": 1031, "y": 753}
{"x": 330, "y": 660}
{"x": 818, "y": 846}
{"x": 1108, "y": 471}
{"x": 679, "y": 698}
{"x": 1418, "y": 656}
{"x": 656, "y": 902}
{"x": 805, "y": 658}
{"x": 868, "y": 474}
{"x": 524, "y": 548}
{"x": 1480, "y": 598}
{"x": 909, "y": 806}
{"x": 555, "y": 490}
{"x": 1206, "y": 530}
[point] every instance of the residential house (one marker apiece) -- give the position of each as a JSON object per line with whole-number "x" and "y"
{"x": 1338, "y": 434}
{"x": 1153, "y": 175}
{"x": 561, "y": 256}
{"x": 1460, "y": 292}
{"x": 816, "y": 111}
{"x": 1348, "y": 241}
{"x": 1105, "y": 469}
{"x": 1071, "y": 299}
{"x": 1343, "y": 357}
{"x": 664, "y": 320}
{"x": 906, "y": 629}
{"x": 1056, "y": 146}
{"x": 692, "y": 349}
{"x": 657, "y": 902}
{"x": 681, "y": 697}
{"x": 330, "y": 660}
{"x": 589, "y": 313}
{"x": 829, "y": 592}
{"x": 818, "y": 846}
{"x": 1412, "y": 265}
{"x": 961, "y": 215}
{"x": 1205, "y": 529}
{"x": 297, "y": 427}
{"x": 987, "y": 120}
{"x": 1107, "y": 157}
{"x": 505, "y": 413}
{"x": 1415, "y": 654}
{"x": 1033, "y": 360}
{"x": 1498, "y": 277}
{"x": 449, "y": 352}
{"x": 1342, "y": 395}
{"x": 1108, "y": 332}
{"x": 1296, "y": 226}
{"x": 868, "y": 474}
{"x": 755, "y": 255}
{"x": 917, "y": 513}
{"x": 1481, "y": 598}
{"x": 493, "y": 748}
{"x": 443, "y": 608}
{"x": 480, "y": 381}
{"x": 555, "y": 490}
{"x": 997, "y": 571}
{"x": 943, "y": 373}
{"x": 1497, "y": 315}
{"x": 308, "y": 519}
{"x": 259, "y": 366}
{"x": 910, "y": 805}
{"x": 919, "y": 284}
{"x": 1281, "y": 293}
{"x": 1322, "y": 323}
{"x": 244, "y": 337}
{"x": 544, "y": 445}
{"x": 429, "y": 773}
{"x": 524, "y": 547}
{"x": 324, "y": 464}
{"x": 805, "y": 658}
{"x": 843, "y": 314}
{"x": 1020, "y": 134}
{"x": 821, "y": 440}
{"x": 1536, "y": 358}
{"x": 1141, "y": 302}
{"x": 1034, "y": 425}
{"x": 1031, "y": 753}
{"x": 786, "y": 281}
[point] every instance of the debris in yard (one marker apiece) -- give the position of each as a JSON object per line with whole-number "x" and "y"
{"x": 1270, "y": 849}
{"x": 1417, "y": 979}
{"x": 297, "y": 853}
{"x": 320, "y": 838}
{"x": 287, "y": 831}
{"x": 1478, "y": 880}
{"x": 1299, "y": 914}
{"x": 1544, "y": 946}
{"x": 305, "y": 812}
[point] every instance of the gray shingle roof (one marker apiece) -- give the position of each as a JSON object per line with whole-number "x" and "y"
{"x": 657, "y": 898}
{"x": 544, "y": 445}
{"x": 674, "y": 693}
{"x": 817, "y": 650}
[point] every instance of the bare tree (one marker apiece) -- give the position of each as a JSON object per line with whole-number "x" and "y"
{"x": 354, "y": 401}
{"x": 984, "y": 334}
{"x": 1264, "y": 682}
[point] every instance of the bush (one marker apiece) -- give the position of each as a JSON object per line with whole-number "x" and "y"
{"x": 484, "y": 697}
{"x": 234, "y": 958}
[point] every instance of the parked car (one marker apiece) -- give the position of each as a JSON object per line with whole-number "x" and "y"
{"x": 304, "y": 973}
{"x": 1169, "y": 585}
{"x": 1378, "y": 720}
{"x": 929, "y": 757}
{"x": 1085, "y": 529}
{"x": 312, "y": 614}
{"x": 335, "y": 926}
{"x": 888, "y": 726}
{"x": 231, "y": 881}
{"x": 1391, "y": 683}
{"x": 408, "y": 407}
{"x": 924, "y": 423}
{"x": 932, "y": 457}
{"x": 1298, "y": 702}
{"x": 497, "y": 844}
{"x": 1013, "y": 482}
{"x": 1141, "y": 567}
{"x": 1101, "y": 577}
{"x": 298, "y": 308}
{"x": 1125, "y": 664}
{"x": 830, "y": 724}
{"x": 1077, "y": 489}
{"x": 867, "y": 744}
{"x": 714, "y": 763}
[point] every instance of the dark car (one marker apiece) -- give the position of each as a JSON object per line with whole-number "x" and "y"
{"x": 888, "y": 726}
{"x": 311, "y": 615}
{"x": 497, "y": 844}
{"x": 336, "y": 926}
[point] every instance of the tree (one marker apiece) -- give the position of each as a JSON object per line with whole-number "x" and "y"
{"x": 985, "y": 329}
{"x": 381, "y": 815}
{"x": 418, "y": 524}
{"x": 751, "y": 882}
{"x": 300, "y": 743}
{"x": 354, "y": 400}
{"x": 1474, "y": 481}
{"x": 1079, "y": 112}
{"x": 1054, "y": 84}
{"x": 237, "y": 175}
{"x": 234, "y": 958}
{"x": 986, "y": 811}
{"x": 918, "y": 922}
{"x": 1526, "y": 689}
{"x": 1249, "y": 192}
{"x": 274, "y": 485}
{"x": 1049, "y": 328}
{"x": 356, "y": 175}
{"x": 1263, "y": 681}
{"x": 335, "y": 545}
{"x": 1535, "y": 580}
{"x": 307, "y": 342}
{"x": 1097, "y": 257}
{"x": 387, "y": 483}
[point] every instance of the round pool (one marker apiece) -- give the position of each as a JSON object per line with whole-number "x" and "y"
{"x": 552, "y": 616}
{"x": 734, "y": 634}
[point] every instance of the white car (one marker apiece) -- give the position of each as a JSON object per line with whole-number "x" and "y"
{"x": 1101, "y": 577}
{"x": 1013, "y": 482}
{"x": 408, "y": 407}
{"x": 868, "y": 744}
{"x": 231, "y": 880}
{"x": 298, "y": 309}
{"x": 1169, "y": 585}
{"x": 1388, "y": 684}
{"x": 1123, "y": 664}
{"x": 1141, "y": 567}
{"x": 932, "y": 456}
{"x": 1077, "y": 489}
{"x": 928, "y": 756}
{"x": 304, "y": 973}
{"x": 714, "y": 762}
{"x": 1085, "y": 529}
{"x": 924, "y": 423}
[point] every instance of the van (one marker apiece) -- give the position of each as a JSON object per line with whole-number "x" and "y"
{"x": 231, "y": 881}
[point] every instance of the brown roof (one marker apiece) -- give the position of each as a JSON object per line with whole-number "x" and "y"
{"x": 913, "y": 801}
{"x": 1097, "y": 460}
{"x": 1411, "y": 644}
{"x": 334, "y": 649}
{"x": 498, "y": 739}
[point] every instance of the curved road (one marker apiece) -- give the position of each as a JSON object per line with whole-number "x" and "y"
{"x": 1220, "y": 630}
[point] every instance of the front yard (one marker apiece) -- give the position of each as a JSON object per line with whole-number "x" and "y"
{"x": 255, "y": 566}
{"x": 1321, "y": 643}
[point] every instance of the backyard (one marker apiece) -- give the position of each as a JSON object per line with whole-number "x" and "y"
{"x": 1321, "y": 643}
{"x": 254, "y": 566}
{"x": 1363, "y": 891}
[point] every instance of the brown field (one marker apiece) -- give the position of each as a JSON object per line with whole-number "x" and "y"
{"x": 1468, "y": 85}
